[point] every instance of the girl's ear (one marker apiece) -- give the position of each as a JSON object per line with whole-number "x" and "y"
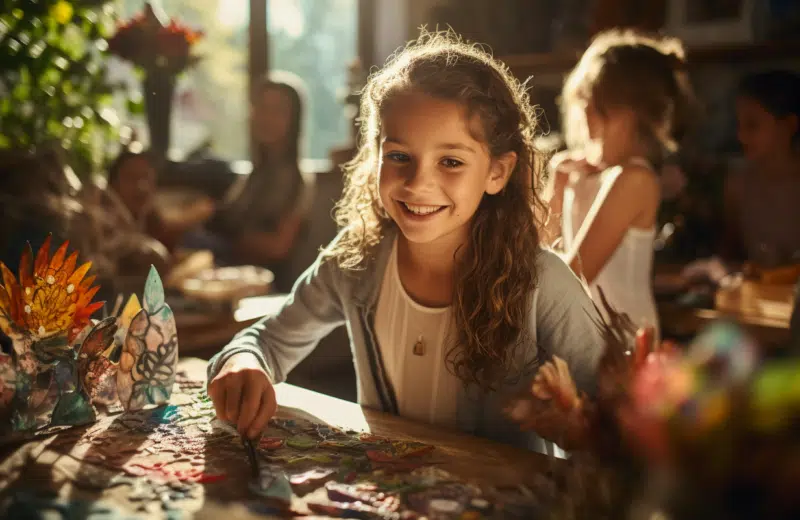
{"x": 500, "y": 172}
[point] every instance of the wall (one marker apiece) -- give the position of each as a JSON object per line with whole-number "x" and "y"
{"x": 507, "y": 26}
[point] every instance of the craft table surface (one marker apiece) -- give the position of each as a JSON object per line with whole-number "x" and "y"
{"x": 685, "y": 321}
{"x": 32, "y": 466}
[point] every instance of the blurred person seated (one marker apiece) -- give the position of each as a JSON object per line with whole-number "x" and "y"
{"x": 263, "y": 213}
{"x": 763, "y": 199}
{"x": 132, "y": 182}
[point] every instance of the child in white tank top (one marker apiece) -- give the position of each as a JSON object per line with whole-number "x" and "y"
{"x": 625, "y": 96}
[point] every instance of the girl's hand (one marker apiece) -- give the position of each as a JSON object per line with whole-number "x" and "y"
{"x": 243, "y": 395}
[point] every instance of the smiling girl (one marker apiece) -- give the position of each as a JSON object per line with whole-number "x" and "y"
{"x": 437, "y": 272}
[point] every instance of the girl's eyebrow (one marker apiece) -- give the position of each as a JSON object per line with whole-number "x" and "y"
{"x": 443, "y": 146}
{"x": 456, "y": 146}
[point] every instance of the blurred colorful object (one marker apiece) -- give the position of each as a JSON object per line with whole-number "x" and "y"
{"x": 720, "y": 422}
{"x": 56, "y": 362}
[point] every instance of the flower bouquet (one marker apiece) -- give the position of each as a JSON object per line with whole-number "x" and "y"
{"x": 56, "y": 362}
{"x": 162, "y": 50}
{"x": 710, "y": 431}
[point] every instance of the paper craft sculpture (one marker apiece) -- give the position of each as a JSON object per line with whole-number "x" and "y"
{"x": 150, "y": 353}
{"x": 56, "y": 362}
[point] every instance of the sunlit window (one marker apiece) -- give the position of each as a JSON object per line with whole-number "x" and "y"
{"x": 313, "y": 39}
{"x": 316, "y": 40}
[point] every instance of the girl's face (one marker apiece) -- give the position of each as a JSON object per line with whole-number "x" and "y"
{"x": 136, "y": 183}
{"x": 611, "y": 134}
{"x": 272, "y": 117}
{"x": 762, "y": 135}
{"x": 433, "y": 170}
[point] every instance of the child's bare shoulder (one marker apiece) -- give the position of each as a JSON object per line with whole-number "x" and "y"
{"x": 637, "y": 180}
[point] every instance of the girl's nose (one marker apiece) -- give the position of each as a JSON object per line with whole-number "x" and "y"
{"x": 419, "y": 176}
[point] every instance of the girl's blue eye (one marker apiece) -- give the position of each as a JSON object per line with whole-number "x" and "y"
{"x": 451, "y": 163}
{"x": 397, "y": 157}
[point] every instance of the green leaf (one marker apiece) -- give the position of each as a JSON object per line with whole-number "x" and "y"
{"x": 135, "y": 107}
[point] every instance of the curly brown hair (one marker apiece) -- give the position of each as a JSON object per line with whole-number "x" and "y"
{"x": 626, "y": 67}
{"x": 496, "y": 273}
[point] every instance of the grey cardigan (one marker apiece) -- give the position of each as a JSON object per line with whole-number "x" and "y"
{"x": 563, "y": 322}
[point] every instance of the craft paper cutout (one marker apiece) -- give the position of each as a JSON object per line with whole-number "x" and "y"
{"x": 131, "y": 309}
{"x": 52, "y": 298}
{"x": 149, "y": 356}
{"x": 56, "y": 362}
{"x": 42, "y": 313}
{"x": 272, "y": 483}
{"x": 96, "y": 368}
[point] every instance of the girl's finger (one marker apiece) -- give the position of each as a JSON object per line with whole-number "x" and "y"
{"x": 217, "y": 394}
{"x": 251, "y": 401}
{"x": 266, "y": 411}
{"x": 233, "y": 398}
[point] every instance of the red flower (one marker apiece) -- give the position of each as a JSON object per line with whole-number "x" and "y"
{"x": 147, "y": 43}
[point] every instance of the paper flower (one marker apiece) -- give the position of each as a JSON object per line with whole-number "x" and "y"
{"x": 51, "y": 298}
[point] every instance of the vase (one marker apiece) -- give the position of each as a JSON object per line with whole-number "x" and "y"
{"x": 159, "y": 89}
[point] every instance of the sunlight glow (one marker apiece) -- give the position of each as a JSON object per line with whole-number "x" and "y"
{"x": 283, "y": 15}
{"x": 286, "y": 15}
{"x": 233, "y": 14}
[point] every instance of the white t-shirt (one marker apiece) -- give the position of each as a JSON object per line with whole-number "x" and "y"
{"x": 413, "y": 343}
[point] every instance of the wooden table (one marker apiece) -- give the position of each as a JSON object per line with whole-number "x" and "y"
{"x": 33, "y": 466}
{"x": 769, "y": 328}
{"x": 683, "y": 322}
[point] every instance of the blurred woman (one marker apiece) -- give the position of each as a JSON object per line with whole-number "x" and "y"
{"x": 37, "y": 200}
{"x": 263, "y": 212}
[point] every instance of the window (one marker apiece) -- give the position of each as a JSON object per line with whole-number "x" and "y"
{"x": 314, "y": 39}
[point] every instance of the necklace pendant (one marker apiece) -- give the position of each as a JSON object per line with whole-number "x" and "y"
{"x": 419, "y": 347}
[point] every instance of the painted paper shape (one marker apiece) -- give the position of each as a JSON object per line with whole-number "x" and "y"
{"x": 97, "y": 370}
{"x": 42, "y": 314}
{"x": 272, "y": 483}
{"x": 131, "y": 309}
{"x": 56, "y": 362}
{"x": 8, "y": 385}
{"x": 53, "y": 297}
{"x": 149, "y": 357}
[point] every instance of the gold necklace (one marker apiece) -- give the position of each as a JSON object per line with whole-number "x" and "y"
{"x": 419, "y": 346}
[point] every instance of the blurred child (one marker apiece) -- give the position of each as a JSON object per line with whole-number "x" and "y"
{"x": 627, "y": 97}
{"x": 763, "y": 200}
{"x": 132, "y": 179}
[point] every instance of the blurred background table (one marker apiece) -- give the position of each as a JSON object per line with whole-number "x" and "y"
{"x": 763, "y": 309}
